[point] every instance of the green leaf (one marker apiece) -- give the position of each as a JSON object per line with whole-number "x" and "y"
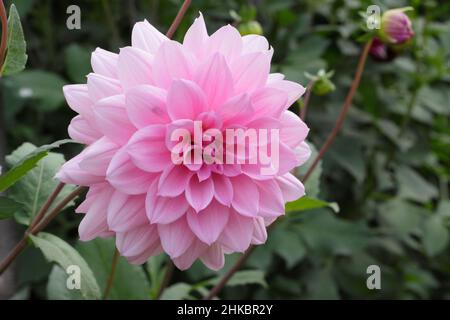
{"x": 36, "y": 177}
{"x": 27, "y": 162}
{"x": 43, "y": 88}
{"x": 130, "y": 281}
{"x": 307, "y": 203}
{"x": 412, "y": 186}
{"x": 58, "y": 251}
{"x": 243, "y": 278}
{"x": 78, "y": 62}
{"x": 16, "y": 56}
{"x": 57, "y": 286}
{"x": 177, "y": 291}
{"x": 288, "y": 245}
{"x": 8, "y": 208}
{"x": 435, "y": 236}
{"x": 156, "y": 270}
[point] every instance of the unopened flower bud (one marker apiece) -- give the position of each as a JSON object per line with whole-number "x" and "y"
{"x": 250, "y": 27}
{"x": 396, "y": 27}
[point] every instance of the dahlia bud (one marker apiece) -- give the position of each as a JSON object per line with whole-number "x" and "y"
{"x": 250, "y": 27}
{"x": 322, "y": 83}
{"x": 396, "y": 26}
{"x": 379, "y": 51}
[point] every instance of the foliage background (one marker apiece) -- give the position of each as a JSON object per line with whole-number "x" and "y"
{"x": 389, "y": 169}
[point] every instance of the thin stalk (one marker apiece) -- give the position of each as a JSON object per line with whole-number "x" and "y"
{"x": 4, "y": 41}
{"x": 304, "y": 109}
{"x": 167, "y": 277}
{"x": 112, "y": 273}
{"x": 178, "y": 18}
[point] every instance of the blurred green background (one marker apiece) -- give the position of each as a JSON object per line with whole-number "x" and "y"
{"x": 388, "y": 170}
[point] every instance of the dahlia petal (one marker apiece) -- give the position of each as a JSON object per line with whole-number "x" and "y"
{"x": 238, "y": 233}
{"x": 213, "y": 257}
{"x": 274, "y": 77}
{"x": 196, "y": 37}
{"x": 187, "y": 94}
{"x": 185, "y": 261}
{"x": 71, "y": 173}
{"x": 100, "y": 87}
{"x": 135, "y": 67}
{"x": 269, "y": 102}
{"x": 293, "y": 90}
{"x": 223, "y": 189}
{"x": 153, "y": 250}
{"x": 146, "y": 37}
{"x": 171, "y": 63}
{"x": 250, "y": 72}
{"x": 209, "y": 223}
{"x": 236, "y": 111}
{"x": 288, "y": 159}
{"x": 227, "y": 41}
{"x": 245, "y": 196}
{"x": 259, "y": 231}
{"x": 126, "y": 212}
{"x": 94, "y": 223}
{"x": 111, "y": 117}
{"x": 291, "y": 187}
{"x": 302, "y": 153}
{"x": 271, "y": 201}
{"x": 97, "y": 156}
{"x": 293, "y": 130}
{"x": 137, "y": 241}
{"x": 254, "y": 43}
{"x": 216, "y": 81}
{"x": 126, "y": 177}
{"x": 105, "y": 63}
{"x": 176, "y": 237}
{"x": 82, "y": 131}
{"x": 78, "y": 99}
{"x": 199, "y": 193}
{"x": 146, "y": 105}
{"x": 164, "y": 210}
{"x": 147, "y": 149}
{"x": 174, "y": 181}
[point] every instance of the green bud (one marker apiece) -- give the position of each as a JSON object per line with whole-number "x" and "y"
{"x": 251, "y": 27}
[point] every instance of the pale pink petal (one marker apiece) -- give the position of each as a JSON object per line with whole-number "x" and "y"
{"x": 100, "y": 87}
{"x": 135, "y": 67}
{"x": 291, "y": 187}
{"x": 254, "y": 43}
{"x": 164, "y": 210}
{"x": 223, "y": 189}
{"x": 82, "y": 131}
{"x": 293, "y": 130}
{"x": 238, "y": 233}
{"x": 176, "y": 237}
{"x": 174, "y": 180}
{"x": 236, "y": 111}
{"x": 213, "y": 257}
{"x": 171, "y": 63}
{"x": 209, "y": 223}
{"x": 269, "y": 102}
{"x": 196, "y": 37}
{"x": 147, "y": 37}
{"x": 250, "y": 72}
{"x": 98, "y": 156}
{"x": 293, "y": 90}
{"x": 227, "y": 41}
{"x": 146, "y": 105}
{"x": 302, "y": 153}
{"x": 215, "y": 79}
{"x": 185, "y": 261}
{"x": 71, "y": 173}
{"x": 126, "y": 212}
{"x": 135, "y": 242}
{"x": 126, "y": 177}
{"x": 259, "y": 231}
{"x": 271, "y": 201}
{"x": 199, "y": 193}
{"x": 111, "y": 117}
{"x": 105, "y": 63}
{"x": 78, "y": 99}
{"x": 245, "y": 196}
{"x": 188, "y": 95}
{"x": 147, "y": 149}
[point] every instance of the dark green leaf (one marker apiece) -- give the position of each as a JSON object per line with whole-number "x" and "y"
{"x": 8, "y": 208}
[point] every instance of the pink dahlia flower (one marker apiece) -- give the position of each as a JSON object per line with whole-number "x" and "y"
{"x": 127, "y": 112}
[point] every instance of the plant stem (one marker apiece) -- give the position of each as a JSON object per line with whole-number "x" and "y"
{"x": 4, "y": 41}
{"x": 343, "y": 114}
{"x": 46, "y": 206}
{"x": 20, "y": 246}
{"x": 167, "y": 276}
{"x": 347, "y": 103}
{"x": 178, "y": 18}
{"x": 304, "y": 109}
{"x": 112, "y": 273}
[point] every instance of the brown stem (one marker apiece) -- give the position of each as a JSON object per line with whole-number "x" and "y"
{"x": 46, "y": 206}
{"x": 343, "y": 114}
{"x": 6, "y": 262}
{"x": 219, "y": 286}
{"x": 304, "y": 109}
{"x": 112, "y": 273}
{"x": 4, "y": 41}
{"x": 166, "y": 280}
{"x": 362, "y": 60}
{"x": 178, "y": 19}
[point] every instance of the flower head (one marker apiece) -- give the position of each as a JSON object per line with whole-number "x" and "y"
{"x": 396, "y": 27}
{"x": 149, "y": 113}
